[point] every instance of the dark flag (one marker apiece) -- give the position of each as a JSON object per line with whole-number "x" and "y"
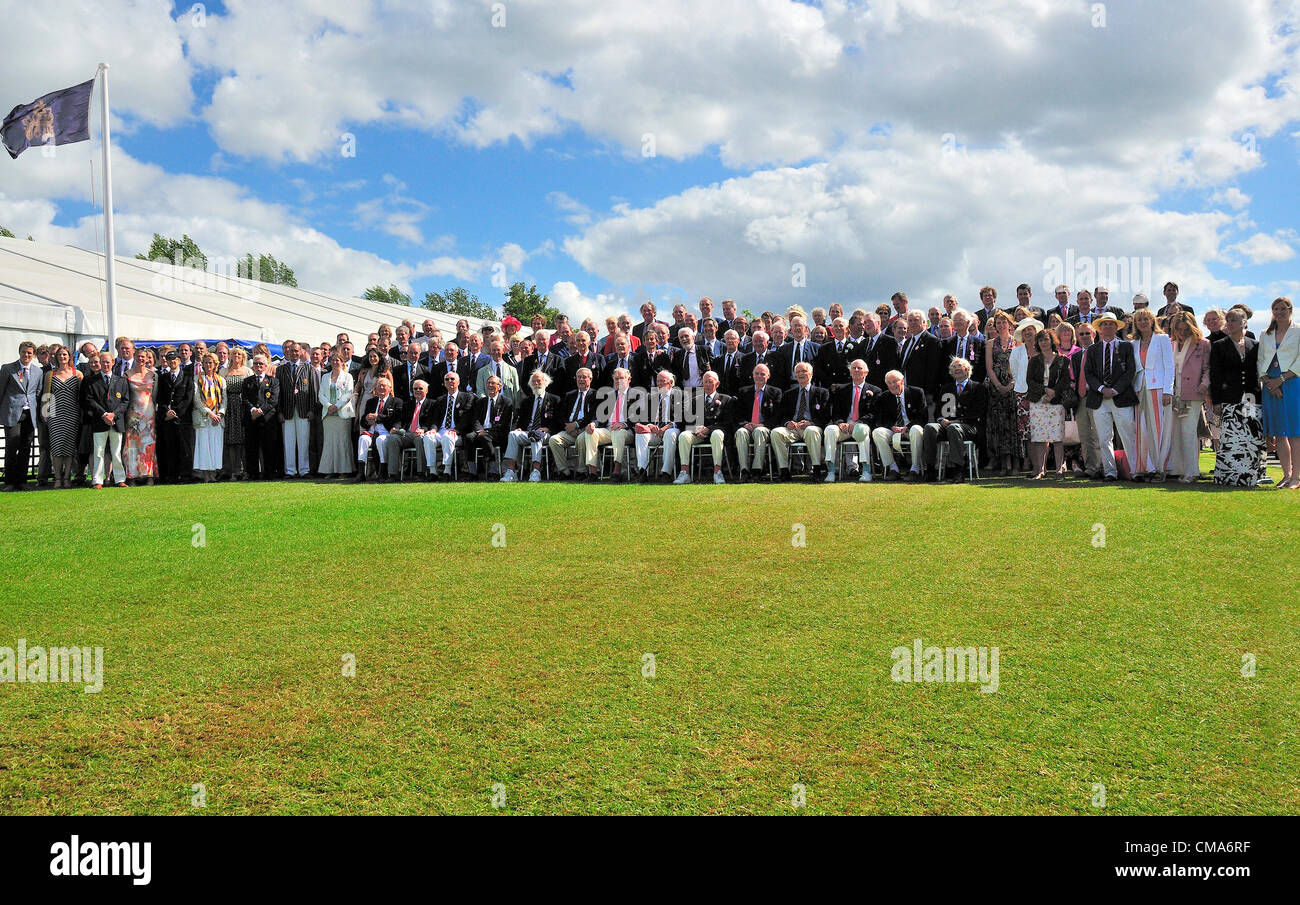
{"x": 58, "y": 118}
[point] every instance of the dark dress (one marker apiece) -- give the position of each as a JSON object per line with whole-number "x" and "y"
{"x": 1002, "y": 428}
{"x": 63, "y": 419}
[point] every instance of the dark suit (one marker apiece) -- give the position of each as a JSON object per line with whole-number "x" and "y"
{"x": 495, "y": 428}
{"x": 973, "y": 352}
{"x": 681, "y": 364}
{"x": 552, "y": 367}
{"x": 99, "y": 397}
{"x": 1231, "y": 375}
{"x": 175, "y": 435}
{"x": 573, "y": 363}
{"x": 437, "y": 379}
{"x": 965, "y": 411}
{"x": 769, "y": 407}
{"x": 1069, "y": 312}
{"x": 842, "y": 403}
{"x": 776, "y": 372}
{"x": 611, "y": 363}
{"x": 1094, "y": 313}
{"x": 404, "y": 376}
{"x": 888, "y": 415}
{"x": 831, "y": 366}
{"x": 262, "y": 438}
{"x": 819, "y": 404}
{"x": 639, "y": 329}
{"x": 881, "y": 355}
{"x": 570, "y": 405}
{"x": 729, "y": 378}
{"x": 1123, "y": 373}
{"x": 922, "y": 364}
{"x": 645, "y": 371}
{"x": 547, "y": 415}
{"x": 462, "y": 415}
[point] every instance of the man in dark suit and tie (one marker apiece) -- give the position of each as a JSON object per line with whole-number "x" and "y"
{"x": 648, "y": 318}
{"x": 583, "y": 357}
{"x": 261, "y": 400}
{"x": 544, "y": 359}
{"x": 453, "y": 363}
{"x": 20, "y": 383}
{"x": 417, "y": 420}
{"x": 648, "y": 361}
{"x": 852, "y": 407}
{"x": 174, "y": 397}
{"x": 761, "y": 355}
{"x": 807, "y": 411}
{"x": 492, "y": 420}
{"x": 453, "y": 418}
{"x": 104, "y": 401}
{"x": 878, "y": 349}
{"x": 1023, "y": 296}
{"x": 621, "y": 357}
{"x": 921, "y": 358}
{"x": 831, "y": 366}
{"x": 758, "y": 412}
{"x": 962, "y": 345}
{"x": 690, "y": 362}
{"x": 406, "y": 373}
{"x": 1171, "y": 301}
{"x": 579, "y": 409}
{"x": 536, "y": 417}
{"x": 1109, "y": 369}
{"x": 1063, "y": 309}
{"x": 727, "y": 364}
{"x": 963, "y": 403}
{"x": 900, "y": 415}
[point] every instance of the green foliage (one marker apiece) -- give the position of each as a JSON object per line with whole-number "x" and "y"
{"x": 183, "y": 252}
{"x": 458, "y": 302}
{"x": 267, "y": 269}
{"x": 392, "y": 295}
{"x": 6, "y": 234}
{"x": 525, "y": 301}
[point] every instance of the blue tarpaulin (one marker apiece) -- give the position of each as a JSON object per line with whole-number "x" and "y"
{"x": 276, "y": 349}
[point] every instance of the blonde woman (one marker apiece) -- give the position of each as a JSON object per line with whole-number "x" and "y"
{"x": 1279, "y": 365}
{"x": 208, "y": 417}
{"x": 337, "y": 410}
{"x": 139, "y": 448}
{"x": 235, "y": 425}
{"x": 1191, "y": 386}
{"x": 1155, "y": 356}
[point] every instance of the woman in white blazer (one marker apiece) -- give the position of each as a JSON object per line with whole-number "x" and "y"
{"x": 1279, "y": 365}
{"x": 337, "y": 411}
{"x": 209, "y": 415}
{"x": 1155, "y": 359}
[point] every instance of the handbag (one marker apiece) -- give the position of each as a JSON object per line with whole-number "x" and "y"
{"x": 1071, "y": 435}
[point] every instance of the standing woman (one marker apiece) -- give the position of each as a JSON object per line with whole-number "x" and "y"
{"x": 62, "y": 409}
{"x": 1155, "y": 355}
{"x": 1000, "y": 429}
{"x": 1026, "y": 331}
{"x": 1191, "y": 385}
{"x": 1279, "y": 364}
{"x": 232, "y": 455}
{"x": 139, "y": 449}
{"x": 336, "y": 419}
{"x": 1048, "y": 379}
{"x": 1234, "y": 390}
{"x": 210, "y": 394}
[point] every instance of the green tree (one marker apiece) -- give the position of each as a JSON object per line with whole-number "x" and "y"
{"x": 525, "y": 301}
{"x": 267, "y": 269}
{"x": 392, "y": 295}
{"x": 6, "y": 234}
{"x": 459, "y": 302}
{"x": 183, "y": 252}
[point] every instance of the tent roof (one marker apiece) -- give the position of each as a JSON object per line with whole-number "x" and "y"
{"x": 58, "y": 289}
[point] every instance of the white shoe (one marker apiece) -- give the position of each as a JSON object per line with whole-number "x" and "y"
{"x": 509, "y": 477}
{"x": 683, "y": 478}
{"x": 718, "y": 478}
{"x": 866, "y": 476}
{"x": 535, "y": 477}
{"x": 830, "y": 476}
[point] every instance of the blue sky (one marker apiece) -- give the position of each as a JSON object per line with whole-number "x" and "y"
{"x": 888, "y": 146}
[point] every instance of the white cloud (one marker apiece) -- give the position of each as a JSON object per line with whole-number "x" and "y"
{"x": 1262, "y": 248}
{"x": 566, "y": 296}
{"x": 1232, "y": 197}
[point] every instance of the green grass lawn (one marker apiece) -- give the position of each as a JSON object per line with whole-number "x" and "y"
{"x": 523, "y": 665}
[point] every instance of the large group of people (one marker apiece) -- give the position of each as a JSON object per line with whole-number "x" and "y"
{"x": 897, "y": 393}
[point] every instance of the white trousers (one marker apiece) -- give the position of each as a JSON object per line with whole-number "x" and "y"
{"x": 519, "y": 441}
{"x": 761, "y": 436}
{"x": 103, "y": 445}
{"x": 687, "y": 439}
{"x": 669, "y": 442}
{"x": 297, "y": 435}
{"x": 887, "y": 443}
{"x": 1185, "y": 445}
{"x": 440, "y": 442}
{"x": 1108, "y": 419}
{"x": 377, "y": 437}
{"x": 859, "y": 432}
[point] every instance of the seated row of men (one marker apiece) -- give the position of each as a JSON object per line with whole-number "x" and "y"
{"x": 666, "y": 423}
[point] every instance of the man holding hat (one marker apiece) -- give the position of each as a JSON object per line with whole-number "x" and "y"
{"x": 1110, "y": 369}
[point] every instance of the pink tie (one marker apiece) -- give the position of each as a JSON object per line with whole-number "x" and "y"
{"x": 618, "y": 409}
{"x": 853, "y": 415}
{"x": 415, "y": 419}
{"x": 758, "y": 395}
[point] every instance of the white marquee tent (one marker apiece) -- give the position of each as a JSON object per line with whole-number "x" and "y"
{"x": 52, "y": 293}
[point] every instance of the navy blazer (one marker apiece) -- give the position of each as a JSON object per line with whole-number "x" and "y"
{"x": 1124, "y": 371}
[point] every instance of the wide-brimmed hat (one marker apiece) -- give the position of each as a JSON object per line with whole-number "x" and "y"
{"x": 1105, "y": 317}
{"x": 1028, "y": 322}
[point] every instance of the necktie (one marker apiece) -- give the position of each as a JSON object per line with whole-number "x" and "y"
{"x": 415, "y": 418}
{"x": 1106, "y": 371}
{"x": 907, "y": 349}
{"x": 794, "y": 359}
{"x": 496, "y": 369}
{"x": 727, "y": 366}
{"x": 451, "y": 407}
{"x": 961, "y": 386}
{"x": 537, "y": 407}
{"x": 618, "y": 409}
{"x": 758, "y": 402}
{"x": 801, "y": 410}
{"x": 961, "y": 347}
{"x": 663, "y": 411}
{"x": 576, "y": 414}
{"x": 902, "y": 412}
{"x": 1083, "y": 379}
{"x": 857, "y": 394}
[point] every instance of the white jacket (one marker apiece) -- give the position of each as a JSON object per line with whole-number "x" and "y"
{"x": 343, "y": 397}
{"x": 1288, "y": 354}
{"x": 1158, "y": 372}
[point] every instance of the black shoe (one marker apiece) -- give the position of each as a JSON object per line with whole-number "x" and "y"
{"x": 1110, "y": 478}
{"x": 912, "y": 477}
{"x": 891, "y": 474}
{"x": 360, "y": 479}
{"x": 819, "y": 472}
{"x": 957, "y": 478}
{"x": 383, "y": 477}
{"x": 783, "y": 475}
{"x": 744, "y": 476}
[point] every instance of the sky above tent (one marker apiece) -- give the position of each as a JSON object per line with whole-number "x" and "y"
{"x": 769, "y": 151}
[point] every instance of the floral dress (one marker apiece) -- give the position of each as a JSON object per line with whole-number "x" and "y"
{"x": 138, "y": 453}
{"x": 1002, "y": 433}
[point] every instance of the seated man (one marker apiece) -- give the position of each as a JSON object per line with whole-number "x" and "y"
{"x": 383, "y": 413}
{"x": 410, "y": 433}
{"x": 900, "y": 414}
{"x": 453, "y": 416}
{"x": 493, "y": 417}
{"x": 718, "y": 423}
{"x": 657, "y": 426}
{"x": 962, "y": 405}
{"x": 578, "y": 410}
{"x": 613, "y": 420}
{"x": 807, "y": 412}
{"x": 536, "y": 418}
{"x": 852, "y": 405}
{"x": 760, "y": 404}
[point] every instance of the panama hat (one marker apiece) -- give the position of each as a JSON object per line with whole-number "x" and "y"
{"x": 1028, "y": 322}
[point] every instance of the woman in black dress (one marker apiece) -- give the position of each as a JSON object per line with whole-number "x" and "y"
{"x": 1235, "y": 392}
{"x": 62, "y": 404}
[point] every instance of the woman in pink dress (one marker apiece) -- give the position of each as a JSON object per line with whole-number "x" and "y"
{"x": 138, "y": 449}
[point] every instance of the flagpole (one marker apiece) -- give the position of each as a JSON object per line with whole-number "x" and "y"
{"x": 110, "y": 293}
